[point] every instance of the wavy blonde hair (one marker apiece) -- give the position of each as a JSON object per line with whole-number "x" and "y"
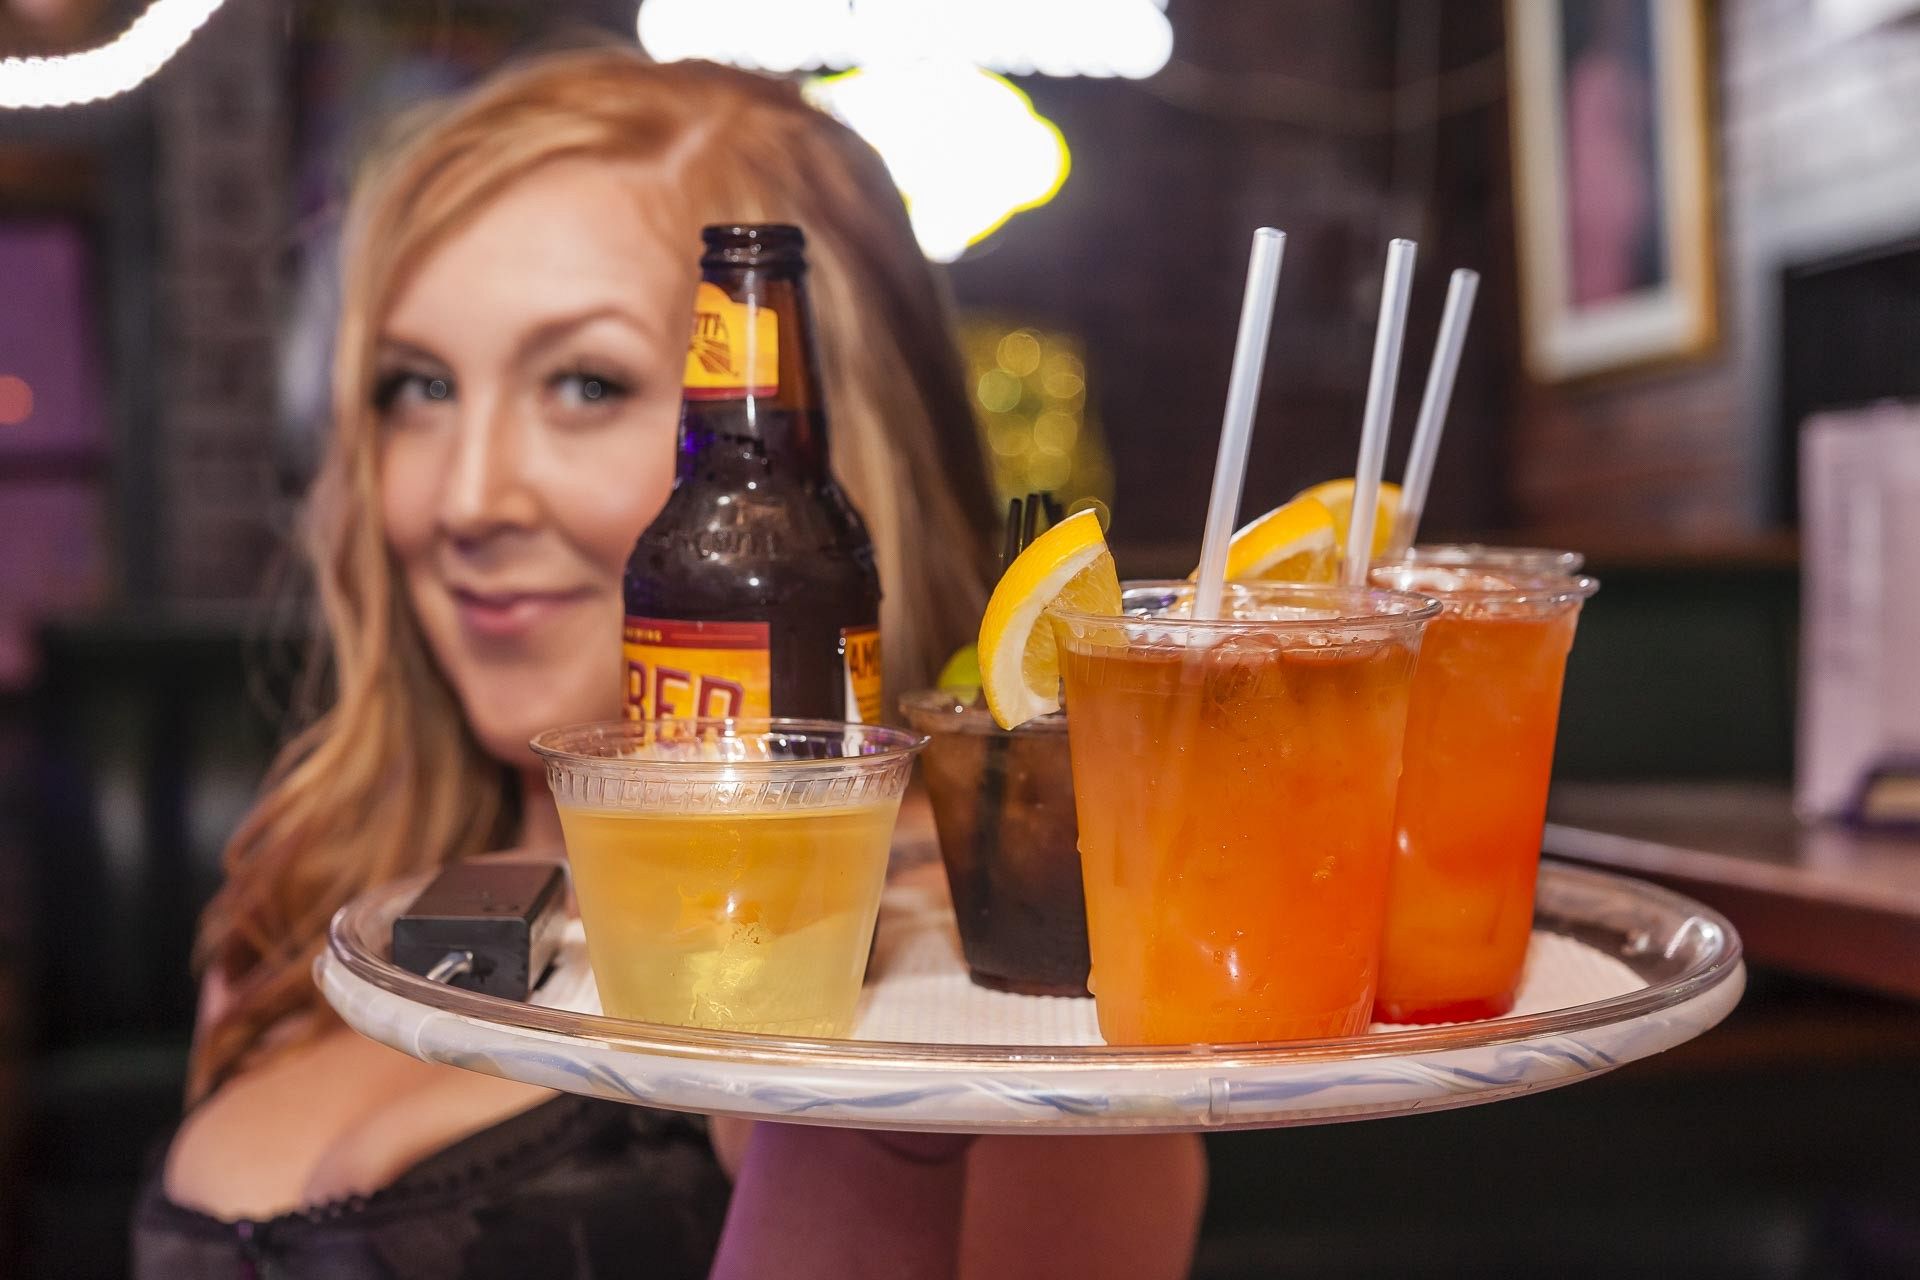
{"x": 389, "y": 780}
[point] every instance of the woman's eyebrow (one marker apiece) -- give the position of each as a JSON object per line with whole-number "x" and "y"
{"x": 553, "y": 331}
{"x": 399, "y": 349}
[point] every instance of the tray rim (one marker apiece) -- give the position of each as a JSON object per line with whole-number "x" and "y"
{"x": 1721, "y": 962}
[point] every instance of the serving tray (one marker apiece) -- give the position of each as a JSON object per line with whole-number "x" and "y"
{"x": 1617, "y": 970}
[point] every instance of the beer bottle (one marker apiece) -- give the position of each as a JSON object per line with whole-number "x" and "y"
{"x": 753, "y": 593}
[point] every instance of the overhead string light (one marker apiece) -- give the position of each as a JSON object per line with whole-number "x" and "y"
{"x": 1128, "y": 38}
{"x": 923, "y": 81}
{"x": 124, "y": 62}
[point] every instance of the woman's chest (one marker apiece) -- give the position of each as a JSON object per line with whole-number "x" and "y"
{"x": 338, "y": 1118}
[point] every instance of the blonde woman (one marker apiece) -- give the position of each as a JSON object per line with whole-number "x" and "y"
{"x": 517, "y": 276}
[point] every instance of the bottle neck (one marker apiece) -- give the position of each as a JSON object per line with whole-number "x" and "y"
{"x": 751, "y": 398}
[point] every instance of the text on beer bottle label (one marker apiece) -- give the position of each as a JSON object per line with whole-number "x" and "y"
{"x": 680, "y": 670}
{"x": 734, "y": 349}
{"x": 860, "y": 658}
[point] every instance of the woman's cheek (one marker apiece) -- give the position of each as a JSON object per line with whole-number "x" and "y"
{"x": 407, "y": 496}
{"x": 606, "y": 495}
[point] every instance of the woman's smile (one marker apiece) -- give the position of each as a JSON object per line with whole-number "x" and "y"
{"x": 503, "y": 614}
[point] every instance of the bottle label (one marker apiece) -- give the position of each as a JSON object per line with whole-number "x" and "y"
{"x": 734, "y": 350}
{"x": 860, "y": 658}
{"x": 696, "y": 670}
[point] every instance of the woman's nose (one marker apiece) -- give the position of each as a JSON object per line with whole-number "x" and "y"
{"x": 486, "y": 489}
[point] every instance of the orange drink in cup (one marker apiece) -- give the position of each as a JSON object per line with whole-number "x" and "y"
{"x": 1235, "y": 782}
{"x": 1473, "y": 798}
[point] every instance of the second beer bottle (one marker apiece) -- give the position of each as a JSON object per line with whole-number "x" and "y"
{"x": 753, "y": 593}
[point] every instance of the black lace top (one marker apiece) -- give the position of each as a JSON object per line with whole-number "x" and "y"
{"x": 573, "y": 1188}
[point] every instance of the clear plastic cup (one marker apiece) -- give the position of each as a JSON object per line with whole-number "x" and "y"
{"x": 1468, "y": 554}
{"x": 1473, "y": 800}
{"x": 1235, "y": 783}
{"x": 1003, "y": 805}
{"x": 729, "y": 872}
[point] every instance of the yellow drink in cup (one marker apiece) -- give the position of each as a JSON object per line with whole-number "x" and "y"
{"x": 756, "y": 922}
{"x": 729, "y": 873}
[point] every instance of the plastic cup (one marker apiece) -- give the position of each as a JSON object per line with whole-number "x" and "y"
{"x": 1473, "y": 800}
{"x": 1003, "y": 805}
{"x": 1234, "y": 781}
{"x": 729, "y": 872}
{"x": 1477, "y": 554}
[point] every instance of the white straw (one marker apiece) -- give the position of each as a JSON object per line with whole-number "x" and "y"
{"x": 1387, "y": 341}
{"x": 1236, "y": 428}
{"x": 1461, "y": 288}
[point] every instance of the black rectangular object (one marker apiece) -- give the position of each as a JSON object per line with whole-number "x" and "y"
{"x": 508, "y": 915}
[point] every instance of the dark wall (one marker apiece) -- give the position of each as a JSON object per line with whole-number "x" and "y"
{"x": 1815, "y": 138}
{"x": 1281, "y": 114}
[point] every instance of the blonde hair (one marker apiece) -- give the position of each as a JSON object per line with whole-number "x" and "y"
{"x": 389, "y": 780}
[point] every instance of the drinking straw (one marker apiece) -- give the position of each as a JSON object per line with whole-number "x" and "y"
{"x": 1236, "y": 427}
{"x": 1388, "y": 337}
{"x": 1462, "y": 285}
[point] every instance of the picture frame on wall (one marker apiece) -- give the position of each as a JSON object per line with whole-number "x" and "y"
{"x": 1612, "y": 184}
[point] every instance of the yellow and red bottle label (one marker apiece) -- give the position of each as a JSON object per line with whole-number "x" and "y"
{"x": 734, "y": 350}
{"x": 860, "y": 660}
{"x": 696, "y": 670}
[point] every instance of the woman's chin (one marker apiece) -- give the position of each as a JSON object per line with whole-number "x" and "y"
{"x": 505, "y": 736}
{"x": 513, "y": 751}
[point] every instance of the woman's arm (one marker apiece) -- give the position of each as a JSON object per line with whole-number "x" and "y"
{"x": 844, "y": 1204}
{"x": 1087, "y": 1207}
{"x": 816, "y": 1202}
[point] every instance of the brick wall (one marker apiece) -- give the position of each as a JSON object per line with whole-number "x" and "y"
{"x": 1817, "y": 143}
{"x": 221, "y": 140}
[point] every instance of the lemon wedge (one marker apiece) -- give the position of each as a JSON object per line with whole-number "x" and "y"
{"x": 1068, "y": 565}
{"x": 961, "y": 676}
{"x": 1295, "y": 542}
{"x": 1337, "y": 497}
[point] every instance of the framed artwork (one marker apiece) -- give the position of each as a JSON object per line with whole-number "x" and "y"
{"x": 1612, "y": 182}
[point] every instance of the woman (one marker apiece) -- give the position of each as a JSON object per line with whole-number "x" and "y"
{"x": 516, "y": 285}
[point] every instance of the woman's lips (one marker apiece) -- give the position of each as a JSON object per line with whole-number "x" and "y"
{"x": 507, "y": 614}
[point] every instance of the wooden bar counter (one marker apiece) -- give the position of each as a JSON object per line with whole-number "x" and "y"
{"x": 1823, "y": 901}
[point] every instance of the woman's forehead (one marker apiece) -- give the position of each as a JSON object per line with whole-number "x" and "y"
{"x": 570, "y": 235}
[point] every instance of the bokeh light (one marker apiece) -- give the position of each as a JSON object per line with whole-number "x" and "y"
{"x": 964, "y": 146}
{"x": 16, "y": 400}
{"x": 1019, "y": 353}
{"x": 1030, "y": 397}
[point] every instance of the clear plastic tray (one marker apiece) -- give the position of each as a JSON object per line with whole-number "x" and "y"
{"x": 1618, "y": 970}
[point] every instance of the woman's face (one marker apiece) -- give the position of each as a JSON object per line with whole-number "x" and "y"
{"x": 529, "y": 388}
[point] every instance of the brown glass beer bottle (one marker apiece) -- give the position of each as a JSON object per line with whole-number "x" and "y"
{"x": 753, "y": 593}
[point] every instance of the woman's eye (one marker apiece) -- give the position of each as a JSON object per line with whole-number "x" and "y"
{"x": 406, "y": 389}
{"x": 581, "y": 390}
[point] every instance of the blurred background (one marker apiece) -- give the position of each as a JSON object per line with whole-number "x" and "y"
{"x": 1699, "y": 230}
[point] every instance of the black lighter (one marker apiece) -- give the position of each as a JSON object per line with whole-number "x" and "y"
{"x": 486, "y": 926}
